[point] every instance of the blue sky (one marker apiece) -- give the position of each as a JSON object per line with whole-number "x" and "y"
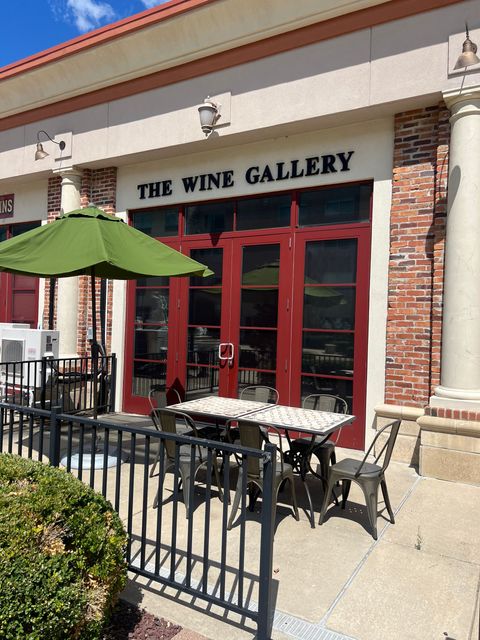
{"x": 30, "y": 26}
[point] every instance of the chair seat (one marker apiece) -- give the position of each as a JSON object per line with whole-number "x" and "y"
{"x": 348, "y": 467}
{"x": 209, "y": 432}
{"x": 302, "y": 444}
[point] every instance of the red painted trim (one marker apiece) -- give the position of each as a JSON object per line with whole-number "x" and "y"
{"x": 341, "y": 25}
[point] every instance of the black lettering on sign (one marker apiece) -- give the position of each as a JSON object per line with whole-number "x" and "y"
{"x": 277, "y": 172}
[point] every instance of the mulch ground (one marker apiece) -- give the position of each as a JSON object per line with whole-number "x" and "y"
{"x": 129, "y": 622}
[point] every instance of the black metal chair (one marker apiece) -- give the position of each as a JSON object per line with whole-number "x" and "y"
{"x": 259, "y": 393}
{"x": 323, "y": 450}
{"x": 168, "y": 421}
{"x": 159, "y": 397}
{"x": 369, "y": 476}
{"x": 253, "y": 435}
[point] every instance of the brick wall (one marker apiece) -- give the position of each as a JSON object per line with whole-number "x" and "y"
{"x": 417, "y": 235}
{"x": 99, "y": 188}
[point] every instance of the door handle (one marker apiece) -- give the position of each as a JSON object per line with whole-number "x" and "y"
{"x": 231, "y": 352}
{"x": 220, "y": 350}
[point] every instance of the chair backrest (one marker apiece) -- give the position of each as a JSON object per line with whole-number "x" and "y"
{"x": 325, "y": 402}
{"x": 259, "y": 393}
{"x": 251, "y": 436}
{"x": 167, "y": 422}
{"x": 157, "y": 396}
{"x": 387, "y": 448}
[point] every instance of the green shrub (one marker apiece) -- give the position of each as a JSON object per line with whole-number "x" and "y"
{"x": 61, "y": 554}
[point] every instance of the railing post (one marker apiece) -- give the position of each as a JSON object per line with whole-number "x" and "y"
{"x": 265, "y": 609}
{"x": 55, "y": 432}
{"x": 43, "y": 382}
{"x": 113, "y": 384}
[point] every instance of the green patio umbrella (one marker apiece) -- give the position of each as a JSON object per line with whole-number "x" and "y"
{"x": 90, "y": 241}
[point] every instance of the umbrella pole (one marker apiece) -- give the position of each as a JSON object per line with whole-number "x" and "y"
{"x": 94, "y": 349}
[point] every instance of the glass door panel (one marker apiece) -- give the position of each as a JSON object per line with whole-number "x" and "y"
{"x": 257, "y": 345}
{"x": 205, "y": 299}
{"x": 150, "y": 350}
{"x": 328, "y": 318}
{"x": 330, "y": 324}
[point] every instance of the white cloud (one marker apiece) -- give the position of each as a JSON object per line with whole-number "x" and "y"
{"x": 89, "y": 14}
{"x": 152, "y": 3}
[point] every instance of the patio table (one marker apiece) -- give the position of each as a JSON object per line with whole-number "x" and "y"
{"x": 308, "y": 421}
{"x": 290, "y": 419}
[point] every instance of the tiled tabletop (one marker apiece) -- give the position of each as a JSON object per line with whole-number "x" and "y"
{"x": 297, "y": 419}
{"x": 293, "y": 418}
{"x": 217, "y": 407}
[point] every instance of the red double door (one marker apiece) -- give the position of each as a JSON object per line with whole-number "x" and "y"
{"x": 286, "y": 309}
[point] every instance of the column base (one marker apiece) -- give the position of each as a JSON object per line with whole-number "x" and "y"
{"x": 456, "y": 399}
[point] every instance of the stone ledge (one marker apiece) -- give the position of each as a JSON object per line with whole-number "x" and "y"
{"x": 449, "y": 425}
{"x": 399, "y": 411}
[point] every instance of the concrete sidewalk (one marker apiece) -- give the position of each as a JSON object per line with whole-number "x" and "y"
{"x": 420, "y": 579}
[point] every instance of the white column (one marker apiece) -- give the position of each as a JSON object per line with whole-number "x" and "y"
{"x": 67, "y": 300}
{"x": 460, "y": 365}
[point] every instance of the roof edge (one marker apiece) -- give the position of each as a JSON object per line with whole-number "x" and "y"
{"x": 103, "y": 35}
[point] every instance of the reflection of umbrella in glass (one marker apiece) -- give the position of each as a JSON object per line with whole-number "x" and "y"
{"x": 267, "y": 274}
{"x": 90, "y": 241}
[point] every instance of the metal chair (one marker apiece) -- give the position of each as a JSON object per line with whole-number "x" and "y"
{"x": 157, "y": 398}
{"x": 259, "y": 393}
{"x": 167, "y": 420}
{"x": 323, "y": 450}
{"x": 366, "y": 474}
{"x": 253, "y": 435}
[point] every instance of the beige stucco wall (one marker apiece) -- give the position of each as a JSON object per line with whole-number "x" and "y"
{"x": 353, "y": 77}
{"x": 30, "y": 201}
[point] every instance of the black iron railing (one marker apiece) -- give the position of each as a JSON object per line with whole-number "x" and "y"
{"x": 197, "y": 556}
{"x": 66, "y": 383}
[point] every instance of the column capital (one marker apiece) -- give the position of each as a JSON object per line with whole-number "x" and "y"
{"x": 454, "y": 97}
{"x": 68, "y": 171}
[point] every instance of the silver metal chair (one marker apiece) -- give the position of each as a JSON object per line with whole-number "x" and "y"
{"x": 253, "y": 435}
{"x": 369, "y": 476}
{"x": 157, "y": 398}
{"x": 168, "y": 422}
{"x": 259, "y": 393}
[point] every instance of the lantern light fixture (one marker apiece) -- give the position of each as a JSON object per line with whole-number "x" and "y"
{"x": 40, "y": 153}
{"x": 469, "y": 53}
{"x": 209, "y": 112}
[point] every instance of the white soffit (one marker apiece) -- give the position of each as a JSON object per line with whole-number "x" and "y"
{"x": 189, "y": 36}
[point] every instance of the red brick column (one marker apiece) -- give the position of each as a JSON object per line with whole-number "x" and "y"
{"x": 417, "y": 231}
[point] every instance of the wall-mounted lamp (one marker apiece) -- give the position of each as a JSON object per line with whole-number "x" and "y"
{"x": 40, "y": 153}
{"x": 469, "y": 53}
{"x": 209, "y": 112}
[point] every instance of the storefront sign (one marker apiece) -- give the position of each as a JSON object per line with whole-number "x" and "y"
{"x": 256, "y": 174}
{"x": 6, "y": 205}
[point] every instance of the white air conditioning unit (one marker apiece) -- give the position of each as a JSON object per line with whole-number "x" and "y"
{"x": 24, "y": 345}
{"x": 13, "y": 325}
